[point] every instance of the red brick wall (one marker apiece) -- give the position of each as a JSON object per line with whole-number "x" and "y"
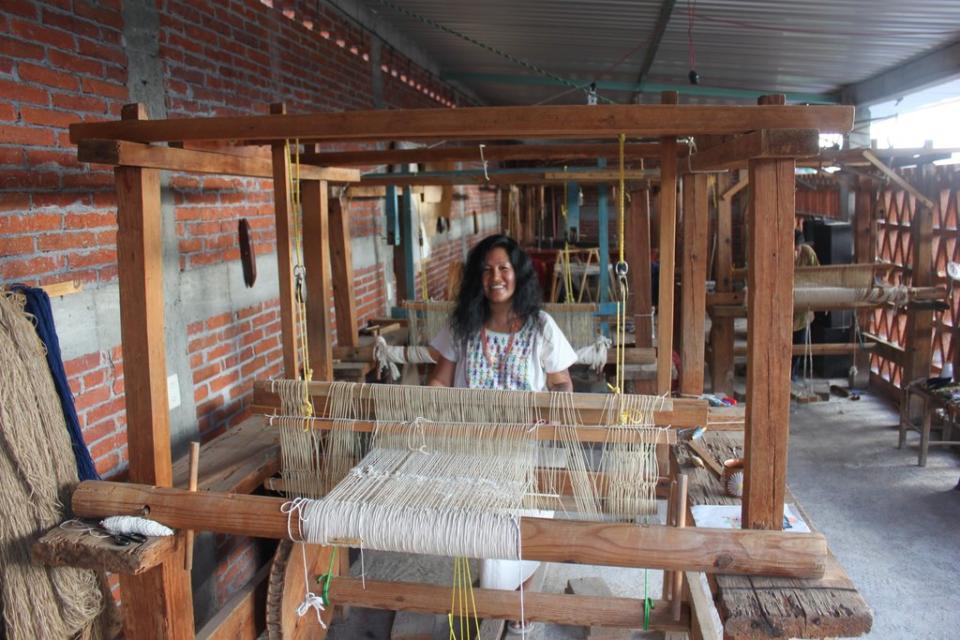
{"x": 63, "y": 61}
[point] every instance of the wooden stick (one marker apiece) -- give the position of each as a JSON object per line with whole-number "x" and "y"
{"x": 192, "y": 486}
{"x": 681, "y": 511}
{"x": 624, "y": 545}
{"x": 677, "y": 412}
{"x": 591, "y": 433}
{"x": 560, "y": 608}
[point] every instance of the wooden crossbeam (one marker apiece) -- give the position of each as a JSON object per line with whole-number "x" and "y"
{"x": 782, "y": 143}
{"x": 134, "y": 154}
{"x": 470, "y": 153}
{"x": 542, "y": 432}
{"x": 561, "y": 122}
{"x": 729, "y": 551}
{"x": 502, "y": 177}
{"x": 632, "y": 355}
{"x": 677, "y": 412}
{"x": 559, "y": 608}
{"x": 823, "y": 349}
{"x": 897, "y": 179}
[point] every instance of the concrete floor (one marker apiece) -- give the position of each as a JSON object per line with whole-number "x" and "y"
{"x": 894, "y": 526}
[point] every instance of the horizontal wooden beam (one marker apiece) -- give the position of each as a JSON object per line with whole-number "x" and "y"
{"x": 559, "y": 608}
{"x": 133, "y": 154}
{"x": 580, "y": 121}
{"x": 592, "y": 407}
{"x": 733, "y": 551}
{"x": 632, "y": 355}
{"x": 503, "y": 177}
{"x": 779, "y": 143}
{"x": 544, "y": 432}
{"x": 822, "y": 349}
{"x": 493, "y": 153}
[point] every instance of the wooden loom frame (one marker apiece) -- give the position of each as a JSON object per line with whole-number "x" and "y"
{"x": 158, "y": 601}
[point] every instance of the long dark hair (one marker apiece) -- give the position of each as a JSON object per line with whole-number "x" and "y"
{"x": 473, "y": 308}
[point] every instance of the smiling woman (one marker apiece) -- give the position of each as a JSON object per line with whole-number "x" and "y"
{"x": 499, "y": 337}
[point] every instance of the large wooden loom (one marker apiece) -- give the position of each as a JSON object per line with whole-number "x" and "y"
{"x": 157, "y": 601}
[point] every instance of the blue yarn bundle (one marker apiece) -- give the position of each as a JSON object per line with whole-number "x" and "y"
{"x": 38, "y": 305}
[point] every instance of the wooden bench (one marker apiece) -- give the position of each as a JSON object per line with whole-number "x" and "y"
{"x": 929, "y": 403}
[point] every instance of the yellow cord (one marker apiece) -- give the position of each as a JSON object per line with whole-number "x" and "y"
{"x": 299, "y": 271}
{"x": 463, "y": 604}
{"x": 621, "y": 271}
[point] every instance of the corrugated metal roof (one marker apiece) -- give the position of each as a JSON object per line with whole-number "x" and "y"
{"x": 810, "y": 47}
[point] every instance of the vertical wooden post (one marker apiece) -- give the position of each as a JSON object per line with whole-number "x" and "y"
{"x": 667, "y": 249}
{"x": 693, "y": 277}
{"x": 918, "y": 348}
{"x": 341, "y": 253}
{"x": 603, "y": 238}
{"x": 319, "y": 281}
{"x": 637, "y": 249}
{"x": 283, "y": 213}
{"x": 721, "y": 329}
{"x": 157, "y": 603}
{"x": 769, "y": 319}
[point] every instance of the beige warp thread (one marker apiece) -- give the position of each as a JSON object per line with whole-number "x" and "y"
{"x": 38, "y": 472}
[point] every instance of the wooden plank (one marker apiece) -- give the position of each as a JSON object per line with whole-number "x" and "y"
{"x": 736, "y": 188}
{"x": 491, "y": 153}
{"x": 283, "y": 212}
{"x": 770, "y": 313}
{"x": 559, "y": 608}
{"x": 693, "y": 290}
{"x": 319, "y": 279}
{"x": 780, "y": 143}
{"x": 721, "y": 329}
{"x": 732, "y": 551}
{"x": 61, "y": 547}
{"x": 134, "y": 154}
{"x": 637, "y": 251}
{"x": 237, "y": 461}
{"x": 580, "y": 121}
{"x": 243, "y": 616}
{"x": 592, "y": 407}
{"x": 157, "y": 603}
{"x": 667, "y": 251}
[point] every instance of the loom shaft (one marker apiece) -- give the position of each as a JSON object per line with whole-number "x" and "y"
{"x": 733, "y": 551}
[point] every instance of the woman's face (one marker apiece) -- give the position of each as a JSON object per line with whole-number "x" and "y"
{"x": 499, "y": 280}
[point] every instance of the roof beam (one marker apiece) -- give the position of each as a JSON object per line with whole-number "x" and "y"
{"x": 579, "y": 121}
{"x": 927, "y": 70}
{"x": 503, "y": 176}
{"x": 472, "y": 153}
{"x": 666, "y": 10}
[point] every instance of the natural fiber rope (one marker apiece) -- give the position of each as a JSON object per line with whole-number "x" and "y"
{"x": 38, "y": 471}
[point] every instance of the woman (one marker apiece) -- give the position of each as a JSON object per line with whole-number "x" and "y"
{"x": 499, "y": 338}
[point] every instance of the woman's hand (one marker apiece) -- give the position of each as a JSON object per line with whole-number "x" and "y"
{"x": 442, "y": 374}
{"x": 560, "y": 381}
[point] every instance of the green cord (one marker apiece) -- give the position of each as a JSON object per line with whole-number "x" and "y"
{"x": 647, "y": 604}
{"x": 326, "y": 578}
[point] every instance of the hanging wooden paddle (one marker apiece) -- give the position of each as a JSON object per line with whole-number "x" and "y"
{"x": 248, "y": 257}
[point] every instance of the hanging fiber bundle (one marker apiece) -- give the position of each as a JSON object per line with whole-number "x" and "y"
{"x": 37, "y": 471}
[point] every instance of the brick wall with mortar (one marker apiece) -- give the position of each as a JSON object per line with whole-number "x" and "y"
{"x": 64, "y": 61}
